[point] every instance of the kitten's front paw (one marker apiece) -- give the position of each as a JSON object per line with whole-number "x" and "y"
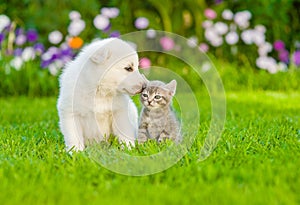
{"x": 142, "y": 137}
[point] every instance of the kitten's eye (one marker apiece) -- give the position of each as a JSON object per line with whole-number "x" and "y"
{"x": 145, "y": 95}
{"x": 129, "y": 69}
{"x": 157, "y": 97}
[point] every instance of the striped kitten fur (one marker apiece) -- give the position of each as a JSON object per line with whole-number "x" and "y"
{"x": 157, "y": 120}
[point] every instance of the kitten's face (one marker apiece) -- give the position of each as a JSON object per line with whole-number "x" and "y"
{"x": 157, "y": 94}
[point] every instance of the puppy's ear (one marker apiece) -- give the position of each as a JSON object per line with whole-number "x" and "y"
{"x": 101, "y": 56}
{"x": 171, "y": 86}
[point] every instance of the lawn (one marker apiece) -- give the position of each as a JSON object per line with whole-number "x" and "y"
{"x": 256, "y": 161}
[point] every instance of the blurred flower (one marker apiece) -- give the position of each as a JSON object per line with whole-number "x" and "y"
{"x": 115, "y": 34}
{"x": 141, "y": 23}
{"x": 55, "y": 37}
{"x": 283, "y": 56}
{"x": 278, "y": 45}
{"x": 76, "y": 27}
{"x": 247, "y": 36}
{"x": 55, "y": 67}
{"x": 211, "y": 34}
{"x": 227, "y": 14}
{"x": 101, "y": 22}
{"x": 19, "y": 31}
{"x": 32, "y": 35}
{"x": 75, "y": 42}
{"x": 242, "y": 19}
{"x": 267, "y": 63}
{"x": 232, "y": 38}
{"x": 2, "y": 36}
{"x": 206, "y": 66}
{"x": 16, "y": 63}
{"x": 221, "y": 28}
{"x": 260, "y": 28}
{"x": 264, "y": 49}
{"x": 207, "y": 24}
{"x": 192, "y": 41}
{"x": 216, "y": 42}
{"x": 4, "y": 22}
{"x": 20, "y": 39}
{"x": 167, "y": 43}
{"x": 74, "y": 15}
{"x": 210, "y": 14}
{"x": 110, "y": 12}
{"x": 258, "y": 37}
{"x": 151, "y": 33}
{"x": 203, "y": 47}
{"x": 18, "y": 52}
{"x": 281, "y": 66}
{"x": 145, "y": 63}
{"x": 39, "y": 48}
{"x": 28, "y": 54}
{"x": 296, "y": 58}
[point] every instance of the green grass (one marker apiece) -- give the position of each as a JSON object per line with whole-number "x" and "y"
{"x": 256, "y": 161}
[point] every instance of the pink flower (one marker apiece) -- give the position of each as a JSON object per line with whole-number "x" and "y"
{"x": 278, "y": 45}
{"x": 203, "y": 47}
{"x": 210, "y": 14}
{"x": 296, "y": 58}
{"x": 167, "y": 43}
{"x": 283, "y": 56}
{"x": 145, "y": 63}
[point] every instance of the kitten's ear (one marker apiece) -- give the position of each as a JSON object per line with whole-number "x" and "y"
{"x": 171, "y": 86}
{"x": 101, "y": 56}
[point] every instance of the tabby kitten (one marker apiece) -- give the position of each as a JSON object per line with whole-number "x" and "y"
{"x": 157, "y": 120}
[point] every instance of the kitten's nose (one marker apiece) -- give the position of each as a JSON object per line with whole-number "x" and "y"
{"x": 149, "y": 102}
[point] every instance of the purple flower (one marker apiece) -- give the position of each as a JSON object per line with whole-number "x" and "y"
{"x": 141, "y": 23}
{"x": 32, "y": 35}
{"x": 283, "y": 56}
{"x": 296, "y": 58}
{"x": 18, "y": 52}
{"x": 167, "y": 43}
{"x": 115, "y": 34}
{"x": 39, "y": 48}
{"x": 2, "y": 36}
{"x": 19, "y": 31}
{"x": 107, "y": 29}
{"x": 45, "y": 63}
{"x": 279, "y": 45}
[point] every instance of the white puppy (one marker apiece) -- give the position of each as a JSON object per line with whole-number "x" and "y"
{"x": 93, "y": 101}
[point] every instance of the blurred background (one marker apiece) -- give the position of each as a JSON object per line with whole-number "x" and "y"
{"x": 254, "y": 44}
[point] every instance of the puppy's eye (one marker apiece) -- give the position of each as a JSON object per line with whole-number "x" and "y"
{"x": 157, "y": 97}
{"x": 129, "y": 69}
{"x": 145, "y": 95}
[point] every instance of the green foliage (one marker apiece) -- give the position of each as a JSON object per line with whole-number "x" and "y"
{"x": 258, "y": 155}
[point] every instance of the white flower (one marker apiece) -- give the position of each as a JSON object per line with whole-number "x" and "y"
{"x": 211, "y": 33}
{"x": 242, "y": 19}
{"x": 216, "y": 42}
{"x": 28, "y": 54}
{"x": 151, "y": 33}
{"x": 20, "y": 39}
{"x": 192, "y": 41}
{"x": 264, "y": 49}
{"x": 282, "y": 66}
{"x": 4, "y": 21}
{"x": 260, "y": 28}
{"x": 247, "y": 36}
{"x": 206, "y": 66}
{"x": 267, "y": 63}
{"x": 207, "y": 24}
{"x": 258, "y": 38}
{"x": 17, "y": 63}
{"x": 74, "y": 15}
{"x": 141, "y": 23}
{"x": 221, "y": 28}
{"x": 110, "y": 12}
{"x": 55, "y": 67}
{"x": 55, "y": 37}
{"x": 232, "y": 38}
{"x": 227, "y": 14}
{"x": 101, "y": 22}
{"x": 76, "y": 27}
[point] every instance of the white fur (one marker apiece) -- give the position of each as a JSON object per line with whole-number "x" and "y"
{"x": 93, "y": 101}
